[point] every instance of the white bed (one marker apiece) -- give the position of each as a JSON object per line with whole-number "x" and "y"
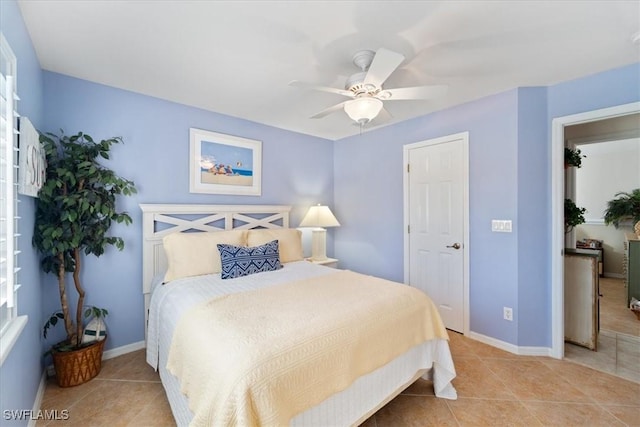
{"x": 351, "y": 406}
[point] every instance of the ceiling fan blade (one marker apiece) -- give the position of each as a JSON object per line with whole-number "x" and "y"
{"x": 383, "y": 64}
{"x": 383, "y": 116}
{"x": 417, "y": 92}
{"x": 329, "y": 110}
{"x": 312, "y": 86}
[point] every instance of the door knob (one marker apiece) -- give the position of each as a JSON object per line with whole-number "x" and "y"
{"x": 454, "y": 246}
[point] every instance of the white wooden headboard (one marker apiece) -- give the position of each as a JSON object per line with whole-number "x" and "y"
{"x": 160, "y": 220}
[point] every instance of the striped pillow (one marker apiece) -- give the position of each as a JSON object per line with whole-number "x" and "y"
{"x": 238, "y": 261}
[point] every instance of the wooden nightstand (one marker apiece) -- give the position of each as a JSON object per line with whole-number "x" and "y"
{"x": 329, "y": 262}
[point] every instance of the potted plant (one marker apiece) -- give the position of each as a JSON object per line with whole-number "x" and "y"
{"x": 572, "y": 157}
{"x": 626, "y": 206}
{"x": 573, "y": 215}
{"x": 75, "y": 208}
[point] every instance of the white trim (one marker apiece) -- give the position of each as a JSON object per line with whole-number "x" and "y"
{"x": 124, "y": 349}
{"x": 557, "y": 212}
{"x": 37, "y": 402}
{"x": 10, "y": 336}
{"x": 464, "y": 136}
{"x": 614, "y": 275}
{"x": 597, "y": 221}
{"x": 511, "y": 348}
{"x": 611, "y": 136}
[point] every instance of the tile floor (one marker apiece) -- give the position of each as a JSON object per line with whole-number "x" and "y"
{"x": 614, "y": 311}
{"x": 619, "y": 340}
{"x": 495, "y": 388}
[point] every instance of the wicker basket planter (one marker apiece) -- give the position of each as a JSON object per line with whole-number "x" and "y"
{"x": 78, "y": 366}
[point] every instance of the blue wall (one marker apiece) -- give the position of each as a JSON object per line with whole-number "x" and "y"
{"x": 296, "y": 170}
{"x": 533, "y": 309}
{"x": 22, "y": 370}
{"x": 369, "y": 199}
{"x": 509, "y": 156}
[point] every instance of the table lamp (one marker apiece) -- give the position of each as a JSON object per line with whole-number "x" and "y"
{"x": 319, "y": 217}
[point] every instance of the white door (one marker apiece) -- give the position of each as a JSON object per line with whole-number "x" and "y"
{"x": 437, "y": 203}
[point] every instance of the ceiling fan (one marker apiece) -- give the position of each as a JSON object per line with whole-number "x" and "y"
{"x": 366, "y": 90}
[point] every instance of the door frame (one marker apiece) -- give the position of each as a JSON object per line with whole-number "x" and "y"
{"x": 464, "y": 136}
{"x": 557, "y": 212}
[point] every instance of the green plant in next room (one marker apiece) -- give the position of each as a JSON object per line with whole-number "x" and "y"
{"x": 625, "y": 206}
{"x": 75, "y": 209}
{"x": 573, "y": 215}
{"x": 573, "y": 157}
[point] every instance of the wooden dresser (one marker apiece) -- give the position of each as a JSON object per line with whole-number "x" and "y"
{"x": 581, "y": 297}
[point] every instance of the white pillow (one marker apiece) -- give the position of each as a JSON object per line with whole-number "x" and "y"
{"x": 195, "y": 254}
{"x": 289, "y": 241}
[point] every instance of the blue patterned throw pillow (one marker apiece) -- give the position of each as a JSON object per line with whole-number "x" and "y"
{"x": 240, "y": 261}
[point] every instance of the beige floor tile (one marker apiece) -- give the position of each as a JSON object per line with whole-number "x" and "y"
{"x": 113, "y": 403}
{"x": 533, "y": 380}
{"x": 61, "y": 398}
{"x": 483, "y": 350}
{"x": 420, "y": 388}
{"x": 571, "y": 414}
{"x": 156, "y": 413}
{"x": 495, "y": 413}
{"x": 614, "y": 312}
{"x": 459, "y": 346}
{"x": 629, "y": 415}
{"x": 601, "y": 387}
{"x": 475, "y": 379}
{"x": 419, "y": 411}
{"x": 131, "y": 366}
{"x": 604, "y": 359}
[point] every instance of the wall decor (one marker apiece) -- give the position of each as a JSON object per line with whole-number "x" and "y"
{"x": 224, "y": 164}
{"x": 32, "y": 161}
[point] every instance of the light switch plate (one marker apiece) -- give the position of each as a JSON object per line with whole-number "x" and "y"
{"x": 501, "y": 225}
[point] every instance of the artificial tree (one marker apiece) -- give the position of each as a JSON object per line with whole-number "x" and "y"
{"x": 75, "y": 209}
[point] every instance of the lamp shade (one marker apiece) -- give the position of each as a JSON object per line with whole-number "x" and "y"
{"x": 363, "y": 109}
{"x": 319, "y": 216}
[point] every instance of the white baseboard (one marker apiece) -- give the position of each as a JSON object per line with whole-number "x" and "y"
{"x": 511, "y": 348}
{"x": 119, "y": 351}
{"x": 37, "y": 402}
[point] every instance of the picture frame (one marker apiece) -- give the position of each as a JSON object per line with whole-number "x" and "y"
{"x": 224, "y": 164}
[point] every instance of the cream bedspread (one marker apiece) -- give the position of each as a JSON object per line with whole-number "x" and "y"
{"x": 263, "y": 356}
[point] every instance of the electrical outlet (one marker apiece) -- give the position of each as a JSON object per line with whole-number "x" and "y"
{"x": 507, "y": 313}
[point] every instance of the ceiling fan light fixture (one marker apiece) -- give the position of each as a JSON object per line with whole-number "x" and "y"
{"x": 364, "y": 109}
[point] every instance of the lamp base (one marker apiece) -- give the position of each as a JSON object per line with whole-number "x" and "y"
{"x": 319, "y": 244}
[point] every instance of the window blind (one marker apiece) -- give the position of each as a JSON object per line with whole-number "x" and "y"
{"x": 8, "y": 190}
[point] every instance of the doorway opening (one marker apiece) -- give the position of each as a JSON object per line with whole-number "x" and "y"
{"x": 559, "y": 126}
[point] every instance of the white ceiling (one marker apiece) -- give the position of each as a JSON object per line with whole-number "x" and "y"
{"x": 237, "y": 57}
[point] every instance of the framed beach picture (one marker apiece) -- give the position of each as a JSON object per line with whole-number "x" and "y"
{"x": 224, "y": 164}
